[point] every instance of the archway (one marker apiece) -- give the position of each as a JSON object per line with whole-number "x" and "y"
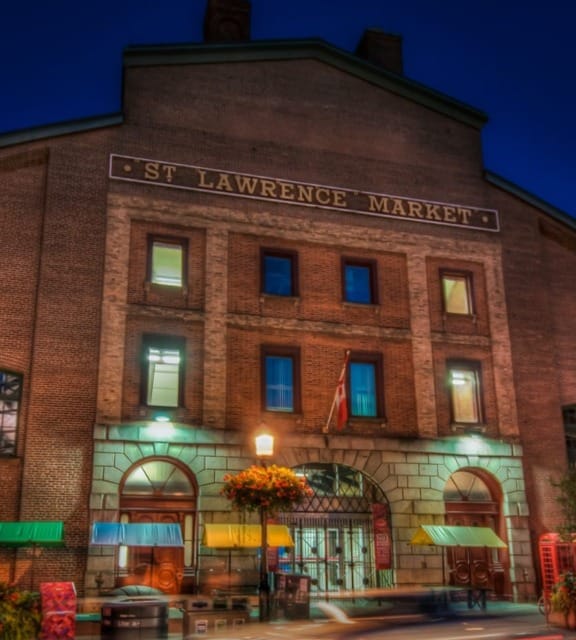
{"x": 342, "y": 534}
{"x": 159, "y": 490}
{"x": 473, "y": 499}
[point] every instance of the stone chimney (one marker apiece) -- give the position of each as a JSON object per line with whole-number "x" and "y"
{"x": 382, "y": 49}
{"x": 227, "y": 21}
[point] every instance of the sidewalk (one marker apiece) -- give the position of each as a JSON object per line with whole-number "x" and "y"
{"x": 324, "y": 623}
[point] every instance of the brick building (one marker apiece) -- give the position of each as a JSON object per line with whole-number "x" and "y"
{"x": 209, "y": 256}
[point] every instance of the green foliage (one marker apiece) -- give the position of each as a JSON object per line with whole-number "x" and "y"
{"x": 563, "y": 599}
{"x": 20, "y": 613}
{"x": 567, "y": 501}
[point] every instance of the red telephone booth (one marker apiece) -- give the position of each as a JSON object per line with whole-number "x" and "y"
{"x": 556, "y": 557}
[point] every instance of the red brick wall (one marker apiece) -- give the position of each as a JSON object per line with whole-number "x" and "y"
{"x": 50, "y": 313}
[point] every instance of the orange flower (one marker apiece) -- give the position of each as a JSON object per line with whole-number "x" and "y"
{"x": 273, "y": 488}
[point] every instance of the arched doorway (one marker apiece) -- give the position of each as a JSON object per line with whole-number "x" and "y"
{"x": 472, "y": 499}
{"x": 335, "y": 531}
{"x": 159, "y": 490}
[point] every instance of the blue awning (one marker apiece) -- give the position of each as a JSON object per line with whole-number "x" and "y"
{"x": 33, "y": 533}
{"x": 137, "y": 534}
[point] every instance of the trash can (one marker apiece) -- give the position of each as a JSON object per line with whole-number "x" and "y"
{"x": 292, "y": 596}
{"x": 218, "y": 615}
{"x": 132, "y": 619}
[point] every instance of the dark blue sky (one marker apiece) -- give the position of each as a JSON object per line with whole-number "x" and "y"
{"x": 514, "y": 60}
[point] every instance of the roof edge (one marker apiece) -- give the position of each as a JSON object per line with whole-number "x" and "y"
{"x": 57, "y": 129}
{"x": 275, "y": 50}
{"x": 558, "y": 214}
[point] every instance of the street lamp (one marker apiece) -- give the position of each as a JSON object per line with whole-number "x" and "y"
{"x": 264, "y": 443}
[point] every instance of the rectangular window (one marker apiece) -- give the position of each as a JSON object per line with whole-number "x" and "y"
{"x": 10, "y": 391}
{"x": 464, "y": 383}
{"x": 280, "y": 377}
{"x": 279, "y": 273}
{"x": 166, "y": 262}
{"x": 364, "y": 382}
{"x": 359, "y": 281}
{"x": 163, "y": 371}
{"x": 457, "y": 293}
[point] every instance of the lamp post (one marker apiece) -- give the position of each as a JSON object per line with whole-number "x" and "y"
{"x": 264, "y": 449}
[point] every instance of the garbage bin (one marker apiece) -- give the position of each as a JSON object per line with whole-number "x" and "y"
{"x": 132, "y": 619}
{"x": 217, "y": 615}
{"x": 292, "y": 596}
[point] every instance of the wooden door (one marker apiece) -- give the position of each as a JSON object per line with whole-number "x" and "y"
{"x": 157, "y": 567}
{"x": 471, "y": 567}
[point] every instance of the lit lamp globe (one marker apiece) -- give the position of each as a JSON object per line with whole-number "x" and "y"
{"x": 264, "y": 445}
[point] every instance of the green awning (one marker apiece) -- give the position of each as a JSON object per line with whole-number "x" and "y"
{"x": 30, "y": 534}
{"x": 230, "y": 536}
{"x": 452, "y": 536}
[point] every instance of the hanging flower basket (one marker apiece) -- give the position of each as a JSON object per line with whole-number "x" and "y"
{"x": 271, "y": 488}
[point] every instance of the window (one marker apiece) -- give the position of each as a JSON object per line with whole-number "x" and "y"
{"x": 166, "y": 262}
{"x": 465, "y": 392}
{"x": 280, "y": 377}
{"x": 279, "y": 277}
{"x": 10, "y": 390}
{"x": 364, "y": 381}
{"x": 359, "y": 281}
{"x": 164, "y": 371}
{"x": 569, "y": 415}
{"x": 457, "y": 293}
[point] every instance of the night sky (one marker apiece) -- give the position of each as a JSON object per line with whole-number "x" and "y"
{"x": 515, "y": 61}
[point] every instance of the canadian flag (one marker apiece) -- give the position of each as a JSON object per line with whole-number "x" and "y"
{"x": 340, "y": 399}
{"x": 341, "y": 402}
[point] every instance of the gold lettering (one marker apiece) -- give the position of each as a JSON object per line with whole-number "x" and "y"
{"x": 224, "y": 182}
{"x": 202, "y": 182}
{"x": 432, "y": 212}
{"x": 246, "y": 184}
{"x": 323, "y": 195}
{"x": 169, "y": 172}
{"x": 377, "y": 203}
{"x": 397, "y": 209}
{"x": 305, "y": 193}
{"x": 286, "y": 191}
{"x": 449, "y": 214}
{"x": 268, "y": 188}
{"x": 151, "y": 171}
{"x": 465, "y": 215}
{"x": 415, "y": 209}
{"x": 339, "y": 198}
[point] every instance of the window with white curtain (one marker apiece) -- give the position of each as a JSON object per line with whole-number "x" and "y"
{"x": 280, "y": 379}
{"x": 464, "y": 385}
{"x": 457, "y": 293}
{"x": 363, "y": 398}
{"x": 166, "y": 260}
{"x": 164, "y": 366}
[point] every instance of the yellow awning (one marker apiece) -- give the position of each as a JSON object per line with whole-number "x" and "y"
{"x": 451, "y": 536}
{"x": 229, "y": 536}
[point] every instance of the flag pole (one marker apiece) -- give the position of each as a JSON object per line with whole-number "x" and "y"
{"x": 326, "y": 427}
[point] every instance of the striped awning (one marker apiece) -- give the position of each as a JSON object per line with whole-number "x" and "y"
{"x": 230, "y": 536}
{"x": 33, "y": 533}
{"x": 137, "y": 534}
{"x": 452, "y": 536}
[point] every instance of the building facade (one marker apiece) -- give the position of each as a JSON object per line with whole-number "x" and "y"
{"x": 202, "y": 264}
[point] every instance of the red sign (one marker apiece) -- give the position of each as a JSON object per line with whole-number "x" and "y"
{"x": 382, "y": 536}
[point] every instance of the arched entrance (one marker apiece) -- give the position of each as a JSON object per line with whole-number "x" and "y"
{"x": 159, "y": 490}
{"x": 336, "y": 530}
{"x": 472, "y": 498}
